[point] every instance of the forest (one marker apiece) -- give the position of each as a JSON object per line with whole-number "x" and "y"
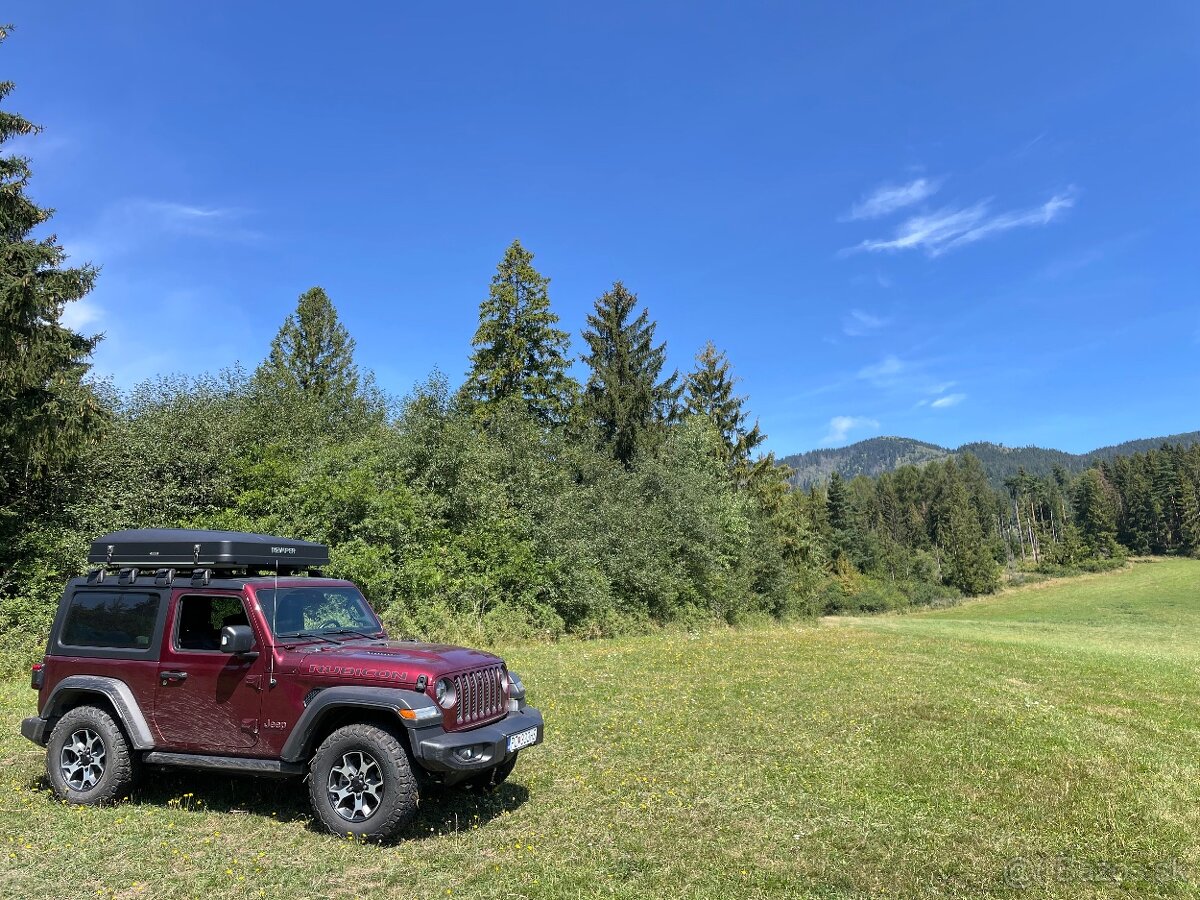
{"x": 518, "y": 502}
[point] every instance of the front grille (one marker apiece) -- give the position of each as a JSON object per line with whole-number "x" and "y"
{"x": 480, "y": 695}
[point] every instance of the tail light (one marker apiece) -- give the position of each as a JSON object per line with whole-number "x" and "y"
{"x": 35, "y": 676}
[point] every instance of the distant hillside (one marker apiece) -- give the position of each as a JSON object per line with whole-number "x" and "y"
{"x": 870, "y": 457}
{"x": 884, "y": 454}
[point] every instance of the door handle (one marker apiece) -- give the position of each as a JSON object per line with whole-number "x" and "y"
{"x": 172, "y": 676}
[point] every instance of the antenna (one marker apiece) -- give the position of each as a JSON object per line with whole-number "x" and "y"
{"x": 274, "y": 640}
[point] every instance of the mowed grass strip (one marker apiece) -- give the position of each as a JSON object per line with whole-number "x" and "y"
{"x": 1039, "y": 743}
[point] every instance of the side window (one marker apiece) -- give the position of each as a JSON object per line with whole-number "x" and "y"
{"x": 200, "y": 620}
{"x": 115, "y": 619}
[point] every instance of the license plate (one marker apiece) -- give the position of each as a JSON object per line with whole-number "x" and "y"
{"x": 522, "y": 739}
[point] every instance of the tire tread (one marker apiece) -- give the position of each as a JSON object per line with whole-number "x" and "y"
{"x": 397, "y": 813}
{"x": 120, "y": 770}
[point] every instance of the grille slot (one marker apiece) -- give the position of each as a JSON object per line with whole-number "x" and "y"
{"x": 480, "y": 695}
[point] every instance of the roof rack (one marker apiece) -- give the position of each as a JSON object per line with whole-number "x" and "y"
{"x": 165, "y": 551}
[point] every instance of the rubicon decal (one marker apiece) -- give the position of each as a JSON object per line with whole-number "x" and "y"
{"x": 356, "y": 672}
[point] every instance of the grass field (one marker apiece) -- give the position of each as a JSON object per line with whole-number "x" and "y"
{"x": 1044, "y": 742}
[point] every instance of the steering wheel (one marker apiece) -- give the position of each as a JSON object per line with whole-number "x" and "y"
{"x": 330, "y": 625}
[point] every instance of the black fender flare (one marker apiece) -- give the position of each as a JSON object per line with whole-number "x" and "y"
{"x": 328, "y": 700}
{"x": 115, "y": 691}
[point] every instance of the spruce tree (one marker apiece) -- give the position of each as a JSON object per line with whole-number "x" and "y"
{"x": 1096, "y": 514}
{"x": 966, "y": 562}
{"x": 625, "y": 396}
{"x": 843, "y": 522}
{"x": 1187, "y": 475}
{"x": 709, "y": 392}
{"x": 520, "y": 353}
{"x": 46, "y": 409}
{"x": 313, "y": 353}
{"x": 837, "y": 503}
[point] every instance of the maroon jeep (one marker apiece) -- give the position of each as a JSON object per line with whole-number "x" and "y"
{"x": 231, "y": 652}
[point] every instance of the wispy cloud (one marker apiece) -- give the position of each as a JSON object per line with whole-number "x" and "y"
{"x": 79, "y": 315}
{"x": 878, "y": 279}
{"x": 841, "y": 426}
{"x": 888, "y": 198}
{"x": 1028, "y": 146}
{"x": 859, "y": 323}
{"x": 885, "y": 372}
{"x": 181, "y": 218}
{"x": 949, "y": 228}
{"x": 135, "y": 223}
{"x": 948, "y": 401}
{"x": 35, "y": 146}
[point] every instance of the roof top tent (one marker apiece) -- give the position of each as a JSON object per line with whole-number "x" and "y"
{"x": 187, "y": 548}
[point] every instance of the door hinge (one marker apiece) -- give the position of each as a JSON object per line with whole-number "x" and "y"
{"x": 250, "y": 725}
{"x": 255, "y": 681}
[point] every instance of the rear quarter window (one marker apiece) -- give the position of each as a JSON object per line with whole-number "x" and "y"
{"x": 123, "y": 620}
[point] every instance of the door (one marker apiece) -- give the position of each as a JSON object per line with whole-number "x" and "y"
{"x": 207, "y": 701}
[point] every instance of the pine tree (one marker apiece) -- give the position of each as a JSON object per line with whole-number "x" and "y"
{"x": 1142, "y": 512}
{"x": 1189, "y": 526}
{"x": 46, "y": 409}
{"x": 709, "y": 392}
{"x": 313, "y": 353}
{"x": 1096, "y": 514}
{"x": 966, "y": 562}
{"x": 838, "y": 504}
{"x": 624, "y": 395}
{"x": 519, "y": 350}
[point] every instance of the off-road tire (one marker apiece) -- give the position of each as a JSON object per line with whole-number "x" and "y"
{"x": 388, "y": 788}
{"x": 490, "y": 779}
{"x": 88, "y": 759}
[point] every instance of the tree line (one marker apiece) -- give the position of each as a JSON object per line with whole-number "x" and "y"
{"x": 519, "y": 502}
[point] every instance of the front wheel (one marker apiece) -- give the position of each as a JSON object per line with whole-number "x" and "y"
{"x": 88, "y": 759}
{"x": 361, "y": 784}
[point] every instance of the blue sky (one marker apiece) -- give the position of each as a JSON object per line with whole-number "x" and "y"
{"x": 951, "y": 221}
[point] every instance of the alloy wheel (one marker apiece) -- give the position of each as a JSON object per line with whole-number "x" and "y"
{"x": 82, "y": 760}
{"x": 355, "y": 786}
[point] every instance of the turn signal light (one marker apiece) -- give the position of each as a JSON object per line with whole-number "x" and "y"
{"x": 420, "y": 714}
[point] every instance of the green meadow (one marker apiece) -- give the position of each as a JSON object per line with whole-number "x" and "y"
{"x": 1044, "y": 742}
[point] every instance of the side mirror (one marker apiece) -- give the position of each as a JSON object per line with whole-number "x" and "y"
{"x": 237, "y": 639}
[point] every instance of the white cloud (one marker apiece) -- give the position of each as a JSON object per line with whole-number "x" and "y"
{"x": 80, "y": 314}
{"x": 948, "y": 401}
{"x": 884, "y": 371}
{"x": 859, "y": 323}
{"x": 182, "y": 218}
{"x": 841, "y": 426}
{"x": 939, "y": 232}
{"x": 888, "y": 198}
{"x": 135, "y": 223}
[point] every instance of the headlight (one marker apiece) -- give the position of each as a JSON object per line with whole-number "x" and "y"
{"x": 445, "y": 693}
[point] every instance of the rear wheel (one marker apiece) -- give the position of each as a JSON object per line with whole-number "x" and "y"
{"x": 490, "y": 779}
{"x": 88, "y": 759}
{"x": 361, "y": 784}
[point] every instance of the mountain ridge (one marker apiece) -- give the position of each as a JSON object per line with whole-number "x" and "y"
{"x": 877, "y": 455}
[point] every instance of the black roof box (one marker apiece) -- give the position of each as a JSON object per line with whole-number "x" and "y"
{"x": 193, "y": 548}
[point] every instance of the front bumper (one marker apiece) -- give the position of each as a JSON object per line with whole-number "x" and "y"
{"x": 443, "y": 752}
{"x": 36, "y": 729}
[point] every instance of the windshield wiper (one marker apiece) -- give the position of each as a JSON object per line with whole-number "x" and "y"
{"x": 364, "y": 634}
{"x": 311, "y": 635}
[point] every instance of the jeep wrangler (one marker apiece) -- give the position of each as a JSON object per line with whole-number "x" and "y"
{"x": 231, "y": 652}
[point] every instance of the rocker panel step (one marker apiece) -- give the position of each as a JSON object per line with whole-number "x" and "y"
{"x": 240, "y": 764}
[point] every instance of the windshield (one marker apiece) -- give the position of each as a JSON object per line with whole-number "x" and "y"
{"x": 320, "y": 610}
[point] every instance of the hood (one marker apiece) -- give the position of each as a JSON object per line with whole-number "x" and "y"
{"x": 390, "y": 661}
